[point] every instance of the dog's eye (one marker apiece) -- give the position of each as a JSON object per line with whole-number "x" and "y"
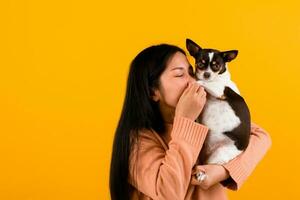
{"x": 200, "y": 65}
{"x": 215, "y": 67}
{"x": 202, "y": 61}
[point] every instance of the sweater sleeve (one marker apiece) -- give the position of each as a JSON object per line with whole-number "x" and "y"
{"x": 243, "y": 165}
{"x": 162, "y": 174}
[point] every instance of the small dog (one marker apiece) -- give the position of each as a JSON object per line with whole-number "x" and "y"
{"x": 225, "y": 113}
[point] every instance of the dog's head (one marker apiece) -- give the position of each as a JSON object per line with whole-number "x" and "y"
{"x": 209, "y": 63}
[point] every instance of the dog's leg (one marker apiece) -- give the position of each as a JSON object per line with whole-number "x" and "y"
{"x": 215, "y": 89}
{"x": 223, "y": 155}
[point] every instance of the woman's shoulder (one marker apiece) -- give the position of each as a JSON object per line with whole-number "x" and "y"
{"x": 147, "y": 134}
{"x": 147, "y": 141}
{"x": 147, "y": 137}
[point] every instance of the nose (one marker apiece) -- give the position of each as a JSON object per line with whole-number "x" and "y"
{"x": 206, "y": 75}
{"x": 191, "y": 79}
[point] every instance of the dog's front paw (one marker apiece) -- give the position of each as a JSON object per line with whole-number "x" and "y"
{"x": 223, "y": 97}
{"x": 202, "y": 83}
{"x": 223, "y": 155}
{"x": 216, "y": 92}
{"x": 214, "y": 89}
{"x": 216, "y": 160}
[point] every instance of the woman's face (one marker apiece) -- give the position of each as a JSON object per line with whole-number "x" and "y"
{"x": 173, "y": 81}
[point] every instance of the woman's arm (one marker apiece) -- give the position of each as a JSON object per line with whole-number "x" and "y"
{"x": 162, "y": 174}
{"x": 240, "y": 167}
{"x": 215, "y": 174}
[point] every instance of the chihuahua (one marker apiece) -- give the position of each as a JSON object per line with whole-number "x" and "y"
{"x": 225, "y": 113}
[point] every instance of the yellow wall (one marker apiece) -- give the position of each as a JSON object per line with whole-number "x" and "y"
{"x": 64, "y": 67}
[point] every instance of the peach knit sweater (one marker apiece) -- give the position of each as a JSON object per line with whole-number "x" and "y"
{"x": 164, "y": 167}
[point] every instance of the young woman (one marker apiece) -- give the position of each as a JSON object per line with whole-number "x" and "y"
{"x": 157, "y": 141}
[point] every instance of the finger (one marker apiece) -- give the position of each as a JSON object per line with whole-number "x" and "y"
{"x": 187, "y": 89}
{"x": 203, "y": 94}
{"x": 201, "y": 176}
{"x": 194, "y": 181}
{"x": 203, "y": 98}
{"x": 203, "y": 184}
{"x": 198, "y": 168}
{"x": 200, "y": 90}
{"x": 198, "y": 178}
{"x": 194, "y": 88}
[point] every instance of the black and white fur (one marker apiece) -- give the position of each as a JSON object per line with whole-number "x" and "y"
{"x": 225, "y": 113}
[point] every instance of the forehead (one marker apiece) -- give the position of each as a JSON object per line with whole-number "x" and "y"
{"x": 178, "y": 60}
{"x": 210, "y": 54}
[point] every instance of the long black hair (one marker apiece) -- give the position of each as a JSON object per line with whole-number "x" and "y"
{"x": 139, "y": 112}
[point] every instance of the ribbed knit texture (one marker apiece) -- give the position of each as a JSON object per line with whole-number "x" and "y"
{"x": 188, "y": 130}
{"x": 163, "y": 173}
{"x": 242, "y": 166}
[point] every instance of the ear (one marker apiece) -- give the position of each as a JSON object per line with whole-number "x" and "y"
{"x": 229, "y": 55}
{"x": 155, "y": 95}
{"x": 192, "y": 47}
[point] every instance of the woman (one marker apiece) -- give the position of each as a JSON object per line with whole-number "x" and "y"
{"x": 157, "y": 141}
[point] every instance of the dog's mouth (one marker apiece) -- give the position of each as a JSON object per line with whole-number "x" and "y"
{"x": 198, "y": 76}
{"x": 201, "y": 78}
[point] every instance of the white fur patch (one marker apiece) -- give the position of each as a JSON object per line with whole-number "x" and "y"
{"x": 211, "y": 55}
{"x": 219, "y": 117}
{"x": 223, "y": 155}
{"x": 216, "y": 86}
{"x": 213, "y": 88}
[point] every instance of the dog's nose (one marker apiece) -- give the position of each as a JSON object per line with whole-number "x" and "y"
{"x": 206, "y": 75}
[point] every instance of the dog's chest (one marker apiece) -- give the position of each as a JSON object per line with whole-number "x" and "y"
{"x": 219, "y": 116}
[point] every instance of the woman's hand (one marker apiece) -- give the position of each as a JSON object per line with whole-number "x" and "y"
{"x": 191, "y": 102}
{"x": 214, "y": 174}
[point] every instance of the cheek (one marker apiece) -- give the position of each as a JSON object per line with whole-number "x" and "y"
{"x": 173, "y": 92}
{"x": 214, "y": 75}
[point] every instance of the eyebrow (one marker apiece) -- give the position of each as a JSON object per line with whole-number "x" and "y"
{"x": 177, "y": 68}
{"x": 181, "y": 67}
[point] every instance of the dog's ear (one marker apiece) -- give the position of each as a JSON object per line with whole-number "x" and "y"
{"x": 192, "y": 47}
{"x": 229, "y": 55}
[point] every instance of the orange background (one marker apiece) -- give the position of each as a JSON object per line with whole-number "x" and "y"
{"x": 64, "y": 67}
